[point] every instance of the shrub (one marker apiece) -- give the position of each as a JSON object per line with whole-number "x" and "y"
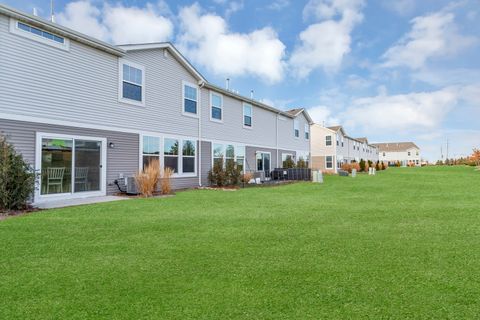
{"x": 17, "y": 178}
{"x": 355, "y": 166}
{"x": 232, "y": 174}
{"x": 347, "y": 167}
{"x": 383, "y": 166}
{"x": 216, "y": 176}
{"x": 147, "y": 179}
{"x": 288, "y": 163}
{"x": 397, "y": 164}
{"x": 301, "y": 164}
{"x": 246, "y": 177}
{"x": 377, "y": 166}
{"x": 370, "y": 163}
{"x": 166, "y": 183}
{"x": 362, "y": 165}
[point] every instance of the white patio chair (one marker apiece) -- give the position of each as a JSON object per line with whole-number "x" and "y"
{"x": 81, "y": 178}
{"x": 55, "y": 178}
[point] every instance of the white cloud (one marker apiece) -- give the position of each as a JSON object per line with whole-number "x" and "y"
{"x": 118, "y": 24}
{"x": 409, "y": 112}
{"x": 206, "y": 39}
{"x": 278, "y": 5}
{"x": 322, "y": 115}
{"x": 433, "y": 35}
{"x": 324, "y": 44}
{"x": 401, "y": 7}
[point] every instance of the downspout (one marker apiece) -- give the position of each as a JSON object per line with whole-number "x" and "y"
{"x": 276, "y": 139}
{"x": 201, "y": 85}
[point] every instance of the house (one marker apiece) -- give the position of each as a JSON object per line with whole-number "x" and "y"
{"x": 86, "y": 113}
{"x": 331, "y": 147}
{"x": 406, "y": 153}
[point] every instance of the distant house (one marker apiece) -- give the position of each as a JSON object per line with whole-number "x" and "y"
{"x": 331, "y": 147}
{"x": 407, "y": 153}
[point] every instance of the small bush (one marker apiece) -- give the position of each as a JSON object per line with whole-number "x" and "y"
{"x": 166, "y": 183}
{"x": 362, "y": 165}
{"x": 301, "y": 164}
{"x": 147, "y": 179}
{"x": 347, "y": 167}
{"x": 355, "y": 166}
{"x": 288, "y": 163}
{"x": 377, "y": 166}
{"x": 383, "y": 166}
{"x": 232, "y": 174}
{"x": 397, "y": 164}
{"x": 216, "y": 176}
{"x": 17, "y": 178}
{"x": 370, "y": 163}
{"x": 246, "y": 177}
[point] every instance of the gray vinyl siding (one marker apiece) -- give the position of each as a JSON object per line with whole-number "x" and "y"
{"x": 286, "y": 136}
{"x": 123, "y": 159}
{"x": 231, "y": 129}
{"x": 206, "y": 159}
{"x": 81, "y": 85}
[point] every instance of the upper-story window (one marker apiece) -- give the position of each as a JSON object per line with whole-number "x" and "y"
{"x": 189, "y": 99}
{"x": 417, "y": 153}
{"x": 247, "y": 115}
{"x": 216, "y": 101}
{"x": 342, "y": 141}
{"x": 38, "y": 34}
{"x": 296, "y": 130}
{"x": 328, "y": 140}
{"x": 132, "y": 83}
{"x": 409, "y": 153}
{"x": 384, "y": 154}
{"x": 307, "y": 131}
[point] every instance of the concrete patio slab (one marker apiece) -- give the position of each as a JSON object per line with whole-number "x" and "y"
{"x": 77, "y": 202}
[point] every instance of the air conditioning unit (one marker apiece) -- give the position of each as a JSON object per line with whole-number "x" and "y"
{"x": 131, "y": 186}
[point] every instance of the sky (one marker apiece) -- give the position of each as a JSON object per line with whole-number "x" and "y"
{"x": 402, "y": 70}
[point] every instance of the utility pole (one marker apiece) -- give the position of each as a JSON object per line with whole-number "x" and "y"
{"x": 447, "y": 149}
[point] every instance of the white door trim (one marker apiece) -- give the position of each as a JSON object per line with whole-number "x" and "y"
{"x": 39, "y": 198}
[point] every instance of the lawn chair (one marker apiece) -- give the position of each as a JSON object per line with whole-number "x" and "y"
{"x": 81, "y": 178}
{"x": 55, "y": 178}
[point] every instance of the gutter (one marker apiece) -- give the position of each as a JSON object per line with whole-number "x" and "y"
{"x": 201, "y": 85}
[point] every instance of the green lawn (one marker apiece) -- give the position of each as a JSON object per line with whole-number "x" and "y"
{"x": 402, "y": 244}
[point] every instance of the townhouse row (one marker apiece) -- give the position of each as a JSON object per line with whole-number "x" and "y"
{"x": 86, "y": 113}
{"x": 331, "y": 147}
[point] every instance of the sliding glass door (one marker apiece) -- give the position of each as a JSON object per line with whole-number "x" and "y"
{"x": 70, "y": 166}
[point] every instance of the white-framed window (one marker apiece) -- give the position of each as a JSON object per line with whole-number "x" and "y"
{"x": 34, "y": 33}
{"x": 216, "y": 107}
{"x": 131, "y": 83}
{"x": 247, "y": 115}
{"x": 263, "y": 161}
{"x": 296, "y": 129}
{"x": 190, "y": 99}
{"x": 417, "y": 153}
{"x": 329, "y": 162}
{"x": 285, "y": 157}
{"x": 384, "y": 154}
{"x": 342, "y": 140}
{"x": 307, "y": 131}
{"x": 150, "y": 150}
{"x": 177, "y": 154}
{"x": 328, "y": 140}
{"x": 409, "y": 153}
{"x": 223, "y": 153}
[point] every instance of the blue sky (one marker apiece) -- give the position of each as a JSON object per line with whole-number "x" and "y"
{"x": 401, "y": 70}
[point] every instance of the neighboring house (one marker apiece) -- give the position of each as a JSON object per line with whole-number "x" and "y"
{"x": 86, "y": 113}
{"x": 407, "y": 153}
{"x": 331, "y": 147}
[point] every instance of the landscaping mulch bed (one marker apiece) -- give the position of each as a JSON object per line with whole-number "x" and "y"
{"x": 15, "y": 213}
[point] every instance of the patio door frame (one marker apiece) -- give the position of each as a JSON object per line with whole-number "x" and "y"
{"x": 39, "y": 198}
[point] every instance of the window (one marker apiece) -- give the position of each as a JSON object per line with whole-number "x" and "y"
{"x": 247, "y": 115}
{"x": 170, "y": 154}
{"x": 38, "y": 34}
{"x": 229, "y": 154}
{"x": 329, "y": 162}
{"x": 240, "y": 158}
{"x": 189, "y": 99}
{"x": 132, "y": 78}
{"x": 218, "y": 154}
{"x": 328, "y": 140}
{"x": 384, "y": 154}
{"x": 337, "y": 141}
{"x": 151, "y": 149}
{"x": 263, "y": 161}
{"x": 307, "y": 132}
{"x": 342, "y": 141}
{"x": 216, "y": 101}
{"x": 296, "y": 130}
{"x": 409, "y": 153}
{"x": 188, "y": 156}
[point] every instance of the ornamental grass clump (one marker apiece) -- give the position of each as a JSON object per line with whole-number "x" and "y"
{"x": 166, "y": 183}
{"x": 17, "y": 178}
{"x": 147, "y": 179}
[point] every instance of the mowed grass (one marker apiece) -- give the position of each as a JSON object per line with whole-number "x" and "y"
{"x": 402, "y": 244}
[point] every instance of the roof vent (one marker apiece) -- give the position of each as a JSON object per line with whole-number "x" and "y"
{"x": 35, "y": 13}
{"x": 227, "y": 84}
{"x": 251, "y": 94}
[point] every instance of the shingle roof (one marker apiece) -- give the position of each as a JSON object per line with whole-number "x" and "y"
{"x": 335, "y": 128}
{"x": 395, "y": 146}
{"x": 363, "y": 140}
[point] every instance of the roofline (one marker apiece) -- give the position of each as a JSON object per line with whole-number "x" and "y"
{"x": 60, "y": 30}
{"x": 165, "y": 45}
{"x": 248, "y": 100}
{"x": 305, "y": 112}
{"x": 323, "y": 127}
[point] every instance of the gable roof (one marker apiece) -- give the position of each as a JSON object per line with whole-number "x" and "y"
{"x": 395, "y": 146}
{"x": 171, "y": 48}
{"x": 60, "y": 30}
{"x": 297, "y": 111}
{"x": 363, "y": 140}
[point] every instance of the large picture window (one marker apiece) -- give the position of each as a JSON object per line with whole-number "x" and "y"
{"x": 188, "y": 156}
{"x": 218, "y": 154}
{"x": 189, "y": 99}
{"x": 170, "y": 154}
{"x": 151, "y": 150}
{"x": 228, "y": 153}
